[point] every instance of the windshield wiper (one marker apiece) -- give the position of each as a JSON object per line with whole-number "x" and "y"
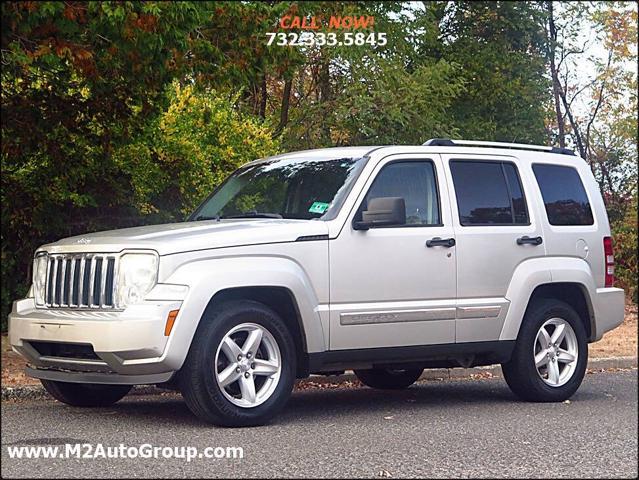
{"x": 254, "y": 215}
{"x": 204, "y": 217}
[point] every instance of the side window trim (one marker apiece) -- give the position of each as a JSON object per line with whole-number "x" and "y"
{"x": 358, "y": 211}
{"x": 510, "y": 193}
{"x": 521, "y": 188}
{"x": 508, "y": 188}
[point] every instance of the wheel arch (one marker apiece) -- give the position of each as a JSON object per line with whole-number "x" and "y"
{"x": 572, "y": 293}
{"x": 277, "y": 282}
{"x": 279, "y": 299}
{"x": 567, "y": 279}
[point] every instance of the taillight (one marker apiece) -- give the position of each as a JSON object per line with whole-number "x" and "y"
{"x": 609, "y": 262}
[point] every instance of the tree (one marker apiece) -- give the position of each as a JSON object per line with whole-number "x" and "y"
{"x": 598, "y": 113}
{"x": 568, "y": 49}
{"x": 78, "y": 80}
{"x": 499, "y": 47}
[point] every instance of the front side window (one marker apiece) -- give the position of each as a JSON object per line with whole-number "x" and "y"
{"x": 488, "y": 193}
{"x": 564, "y": 195}
{"x": 416, "y": 183}
{"x": 294, "y": 189}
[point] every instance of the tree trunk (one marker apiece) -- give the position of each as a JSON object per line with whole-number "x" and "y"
{"x": 552, "y": 43}
{"x": 286, "y": 102}
{"x": 575, "y": 128}
{"x": 324, "y": 82}
{"x": 263, "y": 98}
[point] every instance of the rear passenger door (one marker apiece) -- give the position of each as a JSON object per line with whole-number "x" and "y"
{"x": 496, "y": 230}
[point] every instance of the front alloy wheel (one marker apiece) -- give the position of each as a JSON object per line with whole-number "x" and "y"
{"x": 248, "y": 375}
{"x": 241, "y": 365}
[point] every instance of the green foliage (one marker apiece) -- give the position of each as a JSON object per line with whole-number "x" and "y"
{"x": 393, "y": 107}
{"x": 81, "y": 84}
{"x": 229, "y": 47}
{"x": 499, "y": 48}
{"x": 624, "y": 232}
{"x": 189, "y": 149}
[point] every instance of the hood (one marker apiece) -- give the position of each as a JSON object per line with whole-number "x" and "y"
{"x": 187, "y": 236}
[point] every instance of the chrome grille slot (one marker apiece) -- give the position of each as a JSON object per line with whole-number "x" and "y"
{"x": 81, "y": 281}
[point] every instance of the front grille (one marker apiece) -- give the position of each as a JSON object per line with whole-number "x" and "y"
{"x": 81, "y": 281}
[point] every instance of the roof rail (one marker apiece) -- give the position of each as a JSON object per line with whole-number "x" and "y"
{"x": 446, "y": 142}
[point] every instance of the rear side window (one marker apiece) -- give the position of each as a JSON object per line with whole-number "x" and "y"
{"x": 488, "y": 193}
{"x": 564, "y": 195}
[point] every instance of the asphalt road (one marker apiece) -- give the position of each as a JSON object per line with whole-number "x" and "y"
{"x": 465, "y": 428}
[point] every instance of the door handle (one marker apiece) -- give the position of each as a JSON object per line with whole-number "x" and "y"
{"x": 525, "y": 240}
{"x": 440, "y": 242}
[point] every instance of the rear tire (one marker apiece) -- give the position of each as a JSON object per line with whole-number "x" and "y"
{"x": 540, "y": 369}
{"x": 224, "y": 385}
{"x": 389, "y": 379}
{"x": 85, "y": 394}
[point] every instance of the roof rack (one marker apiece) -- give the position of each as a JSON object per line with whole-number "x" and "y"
{"x": 446, "y": 142}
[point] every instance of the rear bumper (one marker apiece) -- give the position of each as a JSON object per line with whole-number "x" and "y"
{"x": 129, "y": 345}
{"x": 609, "y": 306}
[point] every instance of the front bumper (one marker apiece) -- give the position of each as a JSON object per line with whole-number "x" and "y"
{"x": 96, "y": 377}
{"x": 129, "y": 345}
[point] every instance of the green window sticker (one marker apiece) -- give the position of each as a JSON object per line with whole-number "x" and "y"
{"x": 318, "y": 207}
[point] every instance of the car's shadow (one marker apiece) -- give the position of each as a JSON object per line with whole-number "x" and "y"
{"x": 332, "y": 403}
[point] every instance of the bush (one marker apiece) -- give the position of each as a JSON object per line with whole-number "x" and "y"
{"x": 189, "y": 149}
{"x": 624, "y": 232}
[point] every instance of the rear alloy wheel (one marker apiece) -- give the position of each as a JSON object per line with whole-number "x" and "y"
{"x": 551, "y": 353}
{"x": 389, "y": 378}
{"x": 556, "y": 352}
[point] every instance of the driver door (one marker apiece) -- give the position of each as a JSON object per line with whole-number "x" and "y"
{"x": 387, "y": 287}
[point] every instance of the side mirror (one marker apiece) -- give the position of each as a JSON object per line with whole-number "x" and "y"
{"x": 383, "y": 212}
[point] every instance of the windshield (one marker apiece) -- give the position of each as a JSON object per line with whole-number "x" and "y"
{"x": 297, "y": 189}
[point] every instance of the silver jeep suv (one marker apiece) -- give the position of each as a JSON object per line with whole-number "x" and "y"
{"x": 383, "y": 260}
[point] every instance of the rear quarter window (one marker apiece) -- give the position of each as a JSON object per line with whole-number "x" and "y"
{"x": 564, "y": 195}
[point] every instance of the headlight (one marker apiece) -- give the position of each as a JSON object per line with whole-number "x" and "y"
{"x": 137, "y": 275}
{"x": 40, "y": 277}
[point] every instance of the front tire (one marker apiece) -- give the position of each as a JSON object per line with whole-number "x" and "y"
{"x": 551, "y": 353}
{"x": 85, "y": 394}
{"x": 240, "y": 369}
{"x": 389, "y": 379}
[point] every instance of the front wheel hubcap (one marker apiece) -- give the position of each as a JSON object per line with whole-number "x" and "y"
{"x": 248, "y": 365}
{"x": 556, "y": 352}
